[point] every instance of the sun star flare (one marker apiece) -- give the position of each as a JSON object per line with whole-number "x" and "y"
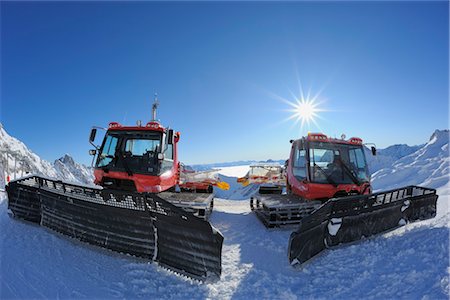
{"x": 305, "y": 111}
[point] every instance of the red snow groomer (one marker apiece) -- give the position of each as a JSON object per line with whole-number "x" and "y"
{"x": 330, "y": 196}
{"x": 139, "y": 210}
{"x": 144, "y": 159}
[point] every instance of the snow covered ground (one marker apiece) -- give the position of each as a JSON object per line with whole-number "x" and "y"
{"x": 410, "y": 262}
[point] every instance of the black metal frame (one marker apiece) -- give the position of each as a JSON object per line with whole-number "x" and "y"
{"x": 143, "y": 225}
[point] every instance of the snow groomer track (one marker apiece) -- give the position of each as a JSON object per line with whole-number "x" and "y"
{"x": 143, "y": 225}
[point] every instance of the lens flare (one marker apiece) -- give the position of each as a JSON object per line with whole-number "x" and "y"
{"x": 305, "y": 111}
{"x": 305, "y": 108}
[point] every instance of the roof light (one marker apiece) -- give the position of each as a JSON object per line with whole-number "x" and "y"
{"x": 153, "y": 124}
{"x": 114, "y": 125}
{"x": 317, "y": 137}
{"x": 355, "y": 140}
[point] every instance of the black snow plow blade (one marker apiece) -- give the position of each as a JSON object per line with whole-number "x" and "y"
{"x": 344, "y": 220}
{"x": 143, "y": 225}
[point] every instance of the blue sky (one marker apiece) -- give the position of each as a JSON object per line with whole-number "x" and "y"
{"x": 382, "y": 69}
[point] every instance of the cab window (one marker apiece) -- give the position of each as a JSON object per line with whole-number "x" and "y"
{"x": 168, "y": 154}
{"x": 139, "y": 147}
{"x": 299, "y": 166}
{"x": 108, "y": 151}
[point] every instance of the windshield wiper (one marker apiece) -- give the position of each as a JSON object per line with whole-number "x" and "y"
{"x": 327, "y": 177}
{"x": 349, "y": 172}
{"x": 346, "y": 168}
{"x": 125, "y": 163}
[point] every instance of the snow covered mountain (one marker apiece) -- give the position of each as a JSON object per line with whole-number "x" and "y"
{"x": 69, "y": 170}
{"x": 16, "y": 160}
{"x": 385, "y": 158}
{"x": 427, "y": 166}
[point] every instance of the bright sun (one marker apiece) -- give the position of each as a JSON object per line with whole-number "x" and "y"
{"x": 305, "y": 108}
{"x": 305, "y": 111}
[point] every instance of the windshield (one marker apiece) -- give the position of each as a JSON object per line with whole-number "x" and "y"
{"x": 337, "y": 163}
{"x": 140, "y": 147}
{"x": 131, "y": 151}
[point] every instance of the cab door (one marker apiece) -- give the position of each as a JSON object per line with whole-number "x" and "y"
{"x": 298, "y": 171}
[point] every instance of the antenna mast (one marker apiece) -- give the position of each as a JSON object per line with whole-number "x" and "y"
{"x": 154, "y": 107}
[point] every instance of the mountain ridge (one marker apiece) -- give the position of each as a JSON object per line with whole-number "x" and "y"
{"x": 17, "y": 160}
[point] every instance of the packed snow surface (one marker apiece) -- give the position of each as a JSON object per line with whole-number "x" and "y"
{"x": 411, "y": 262}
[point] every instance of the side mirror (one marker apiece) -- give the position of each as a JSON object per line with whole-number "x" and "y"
{"x": 374, "y": 150}
{"x": 92, "y": 152}
{"x": 92, "y": 136}
{"x": 160, "y": 156}
{"x": 170, "y": 137}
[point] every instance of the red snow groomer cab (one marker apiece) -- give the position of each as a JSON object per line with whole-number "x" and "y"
{"x": 138, "y": 158}
{"x": 320, "y": 167}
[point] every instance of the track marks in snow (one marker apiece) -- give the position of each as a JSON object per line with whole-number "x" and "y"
{"x": 409, "y": 262}
{"x": 233, "y": 272}
{"x": 144, "y": 280}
